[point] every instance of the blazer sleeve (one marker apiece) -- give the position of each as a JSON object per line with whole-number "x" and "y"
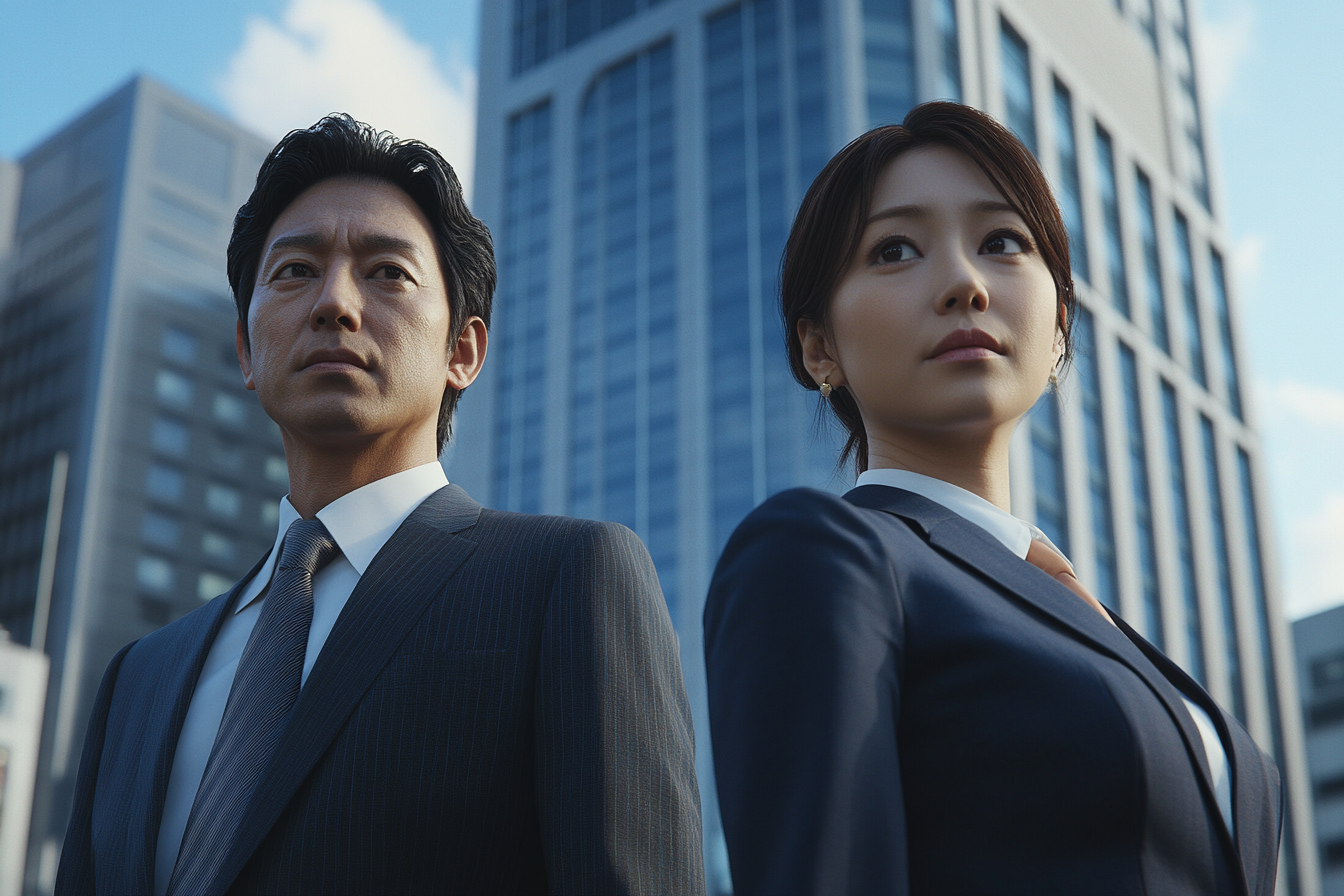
{"x": 803, "y": 649}
{"x": 616, "y": 787}
{"x": 75, "y": 873}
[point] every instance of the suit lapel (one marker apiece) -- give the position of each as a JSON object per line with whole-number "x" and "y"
{"x": 404, "y": 578}
{"x": 178, "y": 674}
{"x": 972, "y": 546}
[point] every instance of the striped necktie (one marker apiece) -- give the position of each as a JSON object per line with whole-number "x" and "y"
{"x": 264, "y": 689}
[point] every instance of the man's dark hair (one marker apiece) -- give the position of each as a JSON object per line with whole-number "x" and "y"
{"x": 339, "y": 146}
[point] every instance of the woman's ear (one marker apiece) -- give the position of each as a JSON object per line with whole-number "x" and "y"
{"x": 817, "y": 354}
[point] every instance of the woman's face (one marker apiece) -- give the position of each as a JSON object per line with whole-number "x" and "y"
{"x": 945, "y": 321}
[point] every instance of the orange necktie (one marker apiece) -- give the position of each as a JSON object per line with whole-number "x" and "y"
{"x": 1041, "y": 555}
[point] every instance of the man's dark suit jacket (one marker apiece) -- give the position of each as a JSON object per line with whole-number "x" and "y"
{"x": 499, "y": 708}
{"x": 899, "y": 704}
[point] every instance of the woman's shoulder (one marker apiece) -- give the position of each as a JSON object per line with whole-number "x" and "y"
{"x": 806, "y": 513}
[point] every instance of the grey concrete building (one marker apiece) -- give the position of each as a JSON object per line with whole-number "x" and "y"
{"x": 116, "y": 354}
{"x": 639, "y": 163}
{"x": 1320, "y": 674}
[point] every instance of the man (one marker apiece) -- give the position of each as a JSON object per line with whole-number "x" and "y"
{"x": 410, "y": 693}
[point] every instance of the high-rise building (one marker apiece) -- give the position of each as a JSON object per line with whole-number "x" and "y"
{"x": 1320, "y": 668}
{"x": 137, "y": 476}
{"x": 639, "y": 162}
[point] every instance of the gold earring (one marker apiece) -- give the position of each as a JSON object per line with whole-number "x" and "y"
{"x": 826, "y": 388}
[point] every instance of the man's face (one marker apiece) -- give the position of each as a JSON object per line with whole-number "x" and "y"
{"x": 348, "y": 326}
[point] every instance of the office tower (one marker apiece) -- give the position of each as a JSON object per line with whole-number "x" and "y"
{"x": 137, "y": 475}
{"x": 1320, "y": 673}
{"x": 639, "y": 163}
{"x": 23, "y": 691}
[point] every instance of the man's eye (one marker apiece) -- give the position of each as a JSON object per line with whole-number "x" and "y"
{"x": 1005, "y": 244}
{"x": 897, "y": 250}
{"x": 391, "y": 272}
{"x": 294, "y": 269}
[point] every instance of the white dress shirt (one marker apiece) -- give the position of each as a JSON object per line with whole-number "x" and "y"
{"x": 361, "y": 522}
{"x": 1017, "y": 535}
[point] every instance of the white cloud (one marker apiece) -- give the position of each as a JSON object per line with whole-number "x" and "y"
{"x": 1316, "y": 578}
{"x": 1316, "y": 406}
{"x": 1225, "y": 42}
{"x": 1249, "y": 261}
{"x": 351, "y": 56}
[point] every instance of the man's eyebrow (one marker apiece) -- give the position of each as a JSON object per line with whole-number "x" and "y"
{"x": 920, "y": 211}
{"x": 297, "y": 241}
{"x": 387, "y": 242}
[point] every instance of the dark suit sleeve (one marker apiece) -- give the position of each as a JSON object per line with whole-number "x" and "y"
{"x": 75, "y": 875}
{"x": 616, "y": 788}
{"x": 803, "y": 648}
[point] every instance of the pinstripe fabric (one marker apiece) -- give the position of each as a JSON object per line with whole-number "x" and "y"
{"x": 264, "y": 689}
{"x": 499, "y": 708}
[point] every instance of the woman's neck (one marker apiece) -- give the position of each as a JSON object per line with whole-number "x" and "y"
{"x": 980, "y": 466}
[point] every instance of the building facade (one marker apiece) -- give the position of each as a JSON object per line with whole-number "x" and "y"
{"x": 639, "y": 163}
{"x": 137, "y": 476}
{"x": 1320, "y": 674}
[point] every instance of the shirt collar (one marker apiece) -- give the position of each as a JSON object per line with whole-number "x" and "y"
{"x": 1015, "y": 534}
{"x": 360, "y": 521}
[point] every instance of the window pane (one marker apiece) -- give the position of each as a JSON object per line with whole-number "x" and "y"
{"x": 1185, "y": 545}
{"x": 179, "y": 345}
{"x": 1152, "y": 262}
{"x": 277, "y": 471}
{"x": 218, "y": 546}
{"x": 211, "y": 585}
{"x": 222, "y": 500}
{"x": 1017, "y": 99}
{"x": 159, "y": 530}
{"x": 172, "y": 388}
{"x": 168, "y": 437}
{"x": 1070, "y": 190}
{"x": 154, "y": 574}
{"x": 164, "y": 483}
{"x": 1213, "y": 483}
{"x": 230, "y": 409}
{"x": 1143, "y": 506}
{"x": 1110, "y": 212}
{"x": 1185, "y": 265}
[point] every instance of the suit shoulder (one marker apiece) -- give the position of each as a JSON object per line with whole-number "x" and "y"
{"x": 804, "y": 515}
{"x": 541, "y": 536}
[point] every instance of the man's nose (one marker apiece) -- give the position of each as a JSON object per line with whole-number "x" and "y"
{"x": 339, "y": 304}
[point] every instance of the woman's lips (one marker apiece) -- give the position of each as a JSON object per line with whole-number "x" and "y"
{"x": 966, "y": 345}
{"x": 969, "y": 353}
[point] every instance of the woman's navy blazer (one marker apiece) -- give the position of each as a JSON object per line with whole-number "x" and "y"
{"x": 899, "y": 704}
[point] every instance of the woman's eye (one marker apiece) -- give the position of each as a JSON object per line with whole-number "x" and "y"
{"x": 897, "y": 250}
{"x": 294, "y": 269}
{"x": 1005, "y": 244}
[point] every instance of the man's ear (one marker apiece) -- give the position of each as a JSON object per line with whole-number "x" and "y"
{"x": 468, "y": 354}
{"x": 818, "y": 357}
{"x": 244, "y": 356}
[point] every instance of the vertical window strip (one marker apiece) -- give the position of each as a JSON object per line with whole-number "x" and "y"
{"x": 1192, "y": 129}
{"x": 521, "y": 310}
{"x": 889, "y": 57}
{"x": 1231, "y": 377}
{"x": 1110, "y": 212}
{"x": 1107, "y": 586}
{"x": 1147, "y": 15}
{"x": 1047, "y": 467}
{"x": 1018, "y": 102}
{"x": 945, "y": 19}
{"x": 1185, "y": 542}
{"x": 1152, "y": 262}
{"x": 543, "y": 28}
{"x": 810, "y": 90}
{"x": 1185, "y": 265}
{"x": 1143, "y": 506}
{"x": 1223, "y": 560}
{"x": 1070, "y": 190}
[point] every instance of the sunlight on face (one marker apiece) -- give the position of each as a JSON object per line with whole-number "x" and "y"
{"x": 944, "y": 326}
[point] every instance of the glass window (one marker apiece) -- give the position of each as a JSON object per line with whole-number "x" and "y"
{"x": 1047, "y": 471}
{"x": 1107, "y": 586}
{"x": 1143, "y": 505}
{"x": 226, "y": 457}
{"x": 220, "y": 547}
{"x": 193, "y": 155}
{"x": 178, "y": 344}
{"x": 154, "y": 574}
{"x": 945, "y": 18}
{"x": 270, "y": 513}
{"x": 1070, "y": 190}
{"x": 164, "y": 483}
{"x": 277, "y": 470}
{"x": 889, "y": 57}
{"x": 173, "y": 389}
{"x": 159, "y": 530}
{"x": 1152, "y": 262}
{"x": 1110, "y": 213}
{"x": 222, "y": 500}
{"x": 229, "y": 409}
{"x": 1185, "y": 265}
{"x": 1223, "y": 563}
{"x": 1230, "y": 375}
{"x": 168, "y": 437}
{"x": 211, "y": 584}
{"x": 1185, "y": 543}
{"x": 1017, "y": 98}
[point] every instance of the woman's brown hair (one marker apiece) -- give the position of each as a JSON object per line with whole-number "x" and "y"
{"x": 830, "y": 223}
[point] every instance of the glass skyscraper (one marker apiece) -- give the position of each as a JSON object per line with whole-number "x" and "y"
{"x": 640, "y": 161}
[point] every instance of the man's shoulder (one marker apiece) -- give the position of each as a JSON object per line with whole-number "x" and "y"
{"x": 509, "y": 530}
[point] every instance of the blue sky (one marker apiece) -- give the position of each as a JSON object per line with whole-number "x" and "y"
{"x": 1273, "y": 73}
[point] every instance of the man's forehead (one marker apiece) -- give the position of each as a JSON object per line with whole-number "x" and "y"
{"x": 374, "y": 215}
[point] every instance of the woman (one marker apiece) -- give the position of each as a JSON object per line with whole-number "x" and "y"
{"x": 909, "y": 691}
